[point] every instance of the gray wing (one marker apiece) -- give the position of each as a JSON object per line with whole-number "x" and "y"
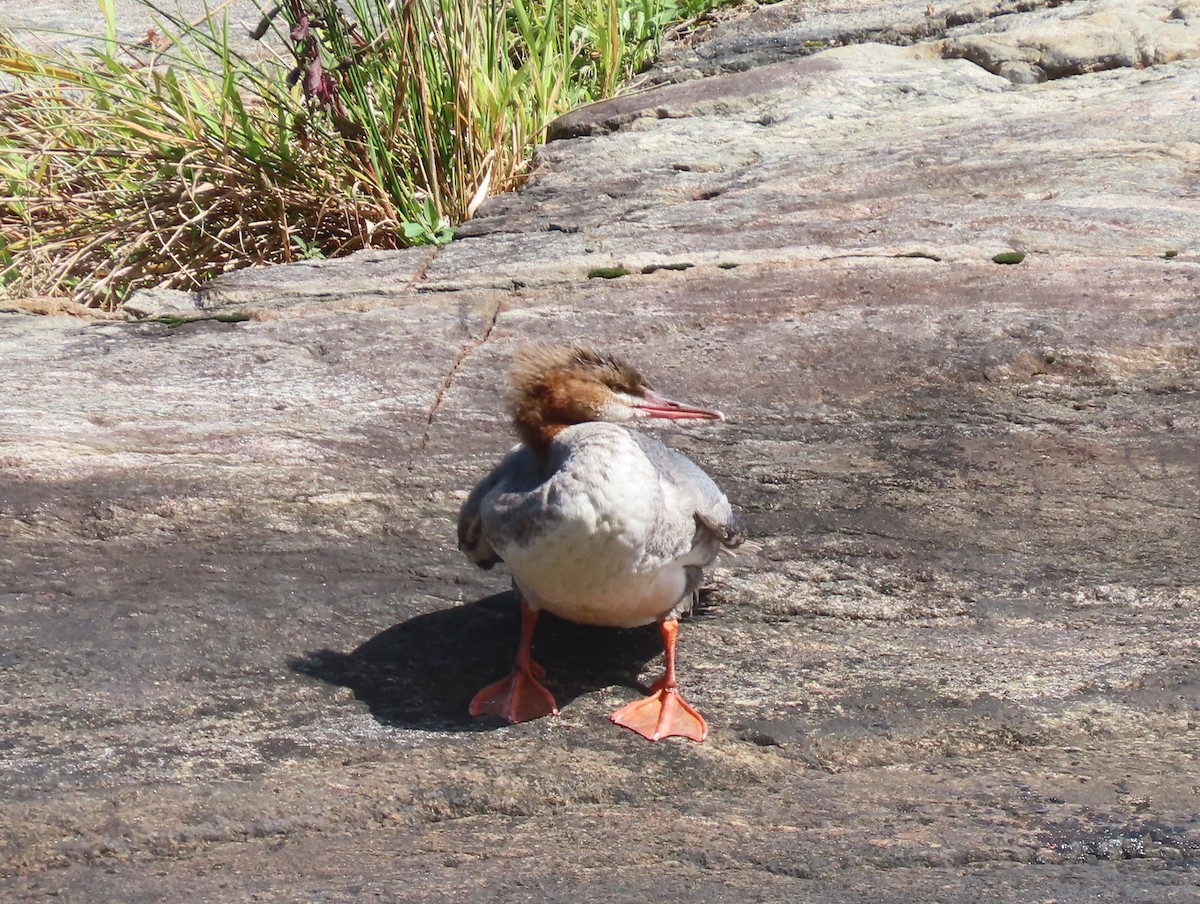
{"x": 712, "y": 509}
{"x": 517, "y": 472}
{"x": 470, "y": 524}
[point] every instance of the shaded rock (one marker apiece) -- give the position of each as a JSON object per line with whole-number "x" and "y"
{"x": 729, "y": 97}
{"x": 751, "y": 36}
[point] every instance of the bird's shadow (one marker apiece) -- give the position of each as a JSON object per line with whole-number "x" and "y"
{"x": 423, "y": 672}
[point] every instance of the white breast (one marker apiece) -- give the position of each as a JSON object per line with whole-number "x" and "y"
{"x": 603, "y": 539}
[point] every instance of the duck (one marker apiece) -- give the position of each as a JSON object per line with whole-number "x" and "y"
{"x": 597, "y": 523}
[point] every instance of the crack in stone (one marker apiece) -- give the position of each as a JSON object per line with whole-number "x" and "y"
{"x": 424, "y": 269}
{"x": 463, "y": 353}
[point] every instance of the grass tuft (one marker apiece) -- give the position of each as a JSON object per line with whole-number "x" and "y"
{"x": 366, "y": 123}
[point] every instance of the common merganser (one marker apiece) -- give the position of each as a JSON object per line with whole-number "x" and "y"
{"x": 598, "y": 524}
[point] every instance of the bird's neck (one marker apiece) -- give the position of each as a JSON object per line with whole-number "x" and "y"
{"x": 536, "y": 422}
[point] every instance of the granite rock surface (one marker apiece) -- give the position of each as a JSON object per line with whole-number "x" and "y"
{"x": 952, "y": 317}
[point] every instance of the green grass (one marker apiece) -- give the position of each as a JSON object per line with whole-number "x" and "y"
{"x": 358, "y": 125}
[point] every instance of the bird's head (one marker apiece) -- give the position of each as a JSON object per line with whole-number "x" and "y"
{"x": 554, "y": 387}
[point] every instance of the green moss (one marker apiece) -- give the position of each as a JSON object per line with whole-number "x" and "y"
{"x": 923, "y": 255}
{"x": 1009, "y": 257}
{"x": 653, "y": 268}
{"x": 173, "y": 320}
{"x": 726, "y": 265}
{"x": 1170, "y": 254}
{"x": 607, "y": 272}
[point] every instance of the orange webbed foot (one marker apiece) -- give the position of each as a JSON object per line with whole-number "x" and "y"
{"x": 663, "y": 714}
{"x": 519, "y": 697}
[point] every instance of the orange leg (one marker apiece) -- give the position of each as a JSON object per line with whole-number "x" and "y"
{"x": 520, "y": 696}
{"x": 664, "y": 713}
